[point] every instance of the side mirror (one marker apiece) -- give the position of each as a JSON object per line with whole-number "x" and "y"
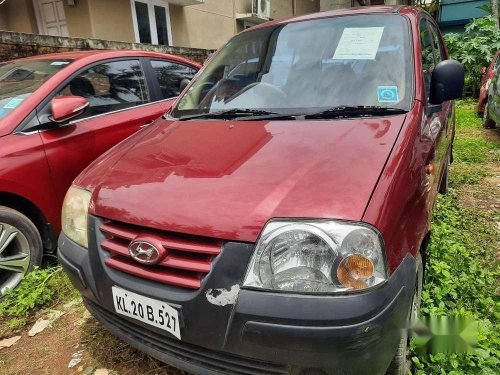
{"x": 447, "y": 82}
{"x": 65, "y": 108}
{"x": 483, "y": 70}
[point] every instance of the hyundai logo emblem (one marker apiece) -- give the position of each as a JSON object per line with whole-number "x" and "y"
{"x": 147, "y": 251}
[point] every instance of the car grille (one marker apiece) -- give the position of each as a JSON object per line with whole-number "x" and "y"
{"x": 206, "y": 358}
{"x": 189, "y": 258}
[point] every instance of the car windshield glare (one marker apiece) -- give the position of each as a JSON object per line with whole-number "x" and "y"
{"x": 20, "y": 79}
{"x": 305, "y": 67}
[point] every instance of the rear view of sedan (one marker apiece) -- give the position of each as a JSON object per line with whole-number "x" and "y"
{"x": 57, "y": 114}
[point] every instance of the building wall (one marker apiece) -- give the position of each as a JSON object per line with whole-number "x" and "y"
{"x": 78, "y": 19}
{"x": 334, "y": 4}
{"x": 3, "y": 20}
{"x": 16, "y": 45}
{"x": 288, "y": 8}
{"x": 306, "y": 6}
{"x": 281, "y": 9}
{"x": 208, "y": 25}
{"x": 19, "y": 15}
{"x": 111, "y": 20}
{"x": 243, "y": 6}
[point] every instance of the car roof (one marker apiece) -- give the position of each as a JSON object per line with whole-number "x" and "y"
{"x": 97, "y": 55}
{"x": 380, "y": 9}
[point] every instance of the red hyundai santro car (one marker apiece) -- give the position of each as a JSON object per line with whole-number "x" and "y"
{"x": 58, "y": 113}
{"x": 275, "y": 221}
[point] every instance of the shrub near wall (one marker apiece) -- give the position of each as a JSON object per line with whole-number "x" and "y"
{"x": 474, "y": 49}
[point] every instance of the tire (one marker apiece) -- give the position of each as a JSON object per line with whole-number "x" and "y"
{"x": 487, "y": 122}
{"x": 21, "y": 248}
{"x": 400, "y": 364}
{"x": 443, "y": 187}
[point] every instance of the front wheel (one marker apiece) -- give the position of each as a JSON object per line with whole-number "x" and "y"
{"x": 20, "y": 248}
{"x": 399, "y": 364}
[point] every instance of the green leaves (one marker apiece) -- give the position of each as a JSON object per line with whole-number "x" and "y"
{"x": 38, "y": 289}
{"x": 474, "y": 48}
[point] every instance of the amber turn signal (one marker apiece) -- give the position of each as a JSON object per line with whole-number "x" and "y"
{"x": 429, "y": 169}
{"x": 354, "y": 270}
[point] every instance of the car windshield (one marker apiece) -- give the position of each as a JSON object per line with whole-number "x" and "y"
{"x": 20, "y": 79}
{"x": 308, "y": 66}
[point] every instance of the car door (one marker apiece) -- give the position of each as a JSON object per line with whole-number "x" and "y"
{"x": 120, "y": 103}
{"x": 437, "y": 132}
{"x": 172, "y": 76}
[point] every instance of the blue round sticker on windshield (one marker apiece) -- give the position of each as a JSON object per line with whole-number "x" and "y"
{"x": 387, "y": 94}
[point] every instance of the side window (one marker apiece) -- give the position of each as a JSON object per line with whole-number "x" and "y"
{"x": 437, "y": 45}
{"x": 427, "y": 55}
{"x": 110, "y": 87}
{"x": 172, "y": 77}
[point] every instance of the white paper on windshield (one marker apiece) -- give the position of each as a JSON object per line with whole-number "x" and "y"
{"x": 359, "y": 43}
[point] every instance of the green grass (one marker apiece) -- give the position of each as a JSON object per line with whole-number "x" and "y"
{"x": 473, "y": 150}
{"x": 471, "y": 146}
{"x": 462, "y": 274}
{"x": 42, "y": 288}
{"x": 466, "y": 174}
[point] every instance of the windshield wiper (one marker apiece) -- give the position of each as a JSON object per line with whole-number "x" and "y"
{"x": 350, "y": 111}
{"x": 230, "y": 114}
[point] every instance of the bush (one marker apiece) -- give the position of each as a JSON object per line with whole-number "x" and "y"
{"x": 40, "y": 288}
{"x": 459, "y": 284}
{"x": 462, "y": 269}
{"x": 474, "y": 49}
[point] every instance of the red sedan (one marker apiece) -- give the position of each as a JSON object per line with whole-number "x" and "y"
{"x": 57, "y": 114}
{"x": 487, "y": 73}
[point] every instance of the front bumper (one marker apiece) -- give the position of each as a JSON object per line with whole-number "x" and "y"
{"x": 256, "y": 332}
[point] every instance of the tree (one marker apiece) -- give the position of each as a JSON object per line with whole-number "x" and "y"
{"x": 494, "y": 11}
{"x": 474, "y": 49}
{"x": 431, "y": 6}
{"x": 492, "y": 8}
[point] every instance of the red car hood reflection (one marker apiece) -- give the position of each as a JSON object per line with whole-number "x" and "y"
{"x": 227, "y": 179}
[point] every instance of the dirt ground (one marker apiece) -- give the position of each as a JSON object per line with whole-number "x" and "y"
{"x": 76, "y": 334}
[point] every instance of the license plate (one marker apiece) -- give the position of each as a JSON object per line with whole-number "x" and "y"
{"x": 147, "y": 310}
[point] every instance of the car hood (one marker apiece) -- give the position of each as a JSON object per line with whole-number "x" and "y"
{"x": 226, "y": 179}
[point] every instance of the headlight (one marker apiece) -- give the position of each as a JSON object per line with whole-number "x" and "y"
{"x": 74, "y": 215}
{"x": 317, "y": 257}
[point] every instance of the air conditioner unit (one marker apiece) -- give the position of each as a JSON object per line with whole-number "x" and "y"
{"x": 262, "y": 8}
